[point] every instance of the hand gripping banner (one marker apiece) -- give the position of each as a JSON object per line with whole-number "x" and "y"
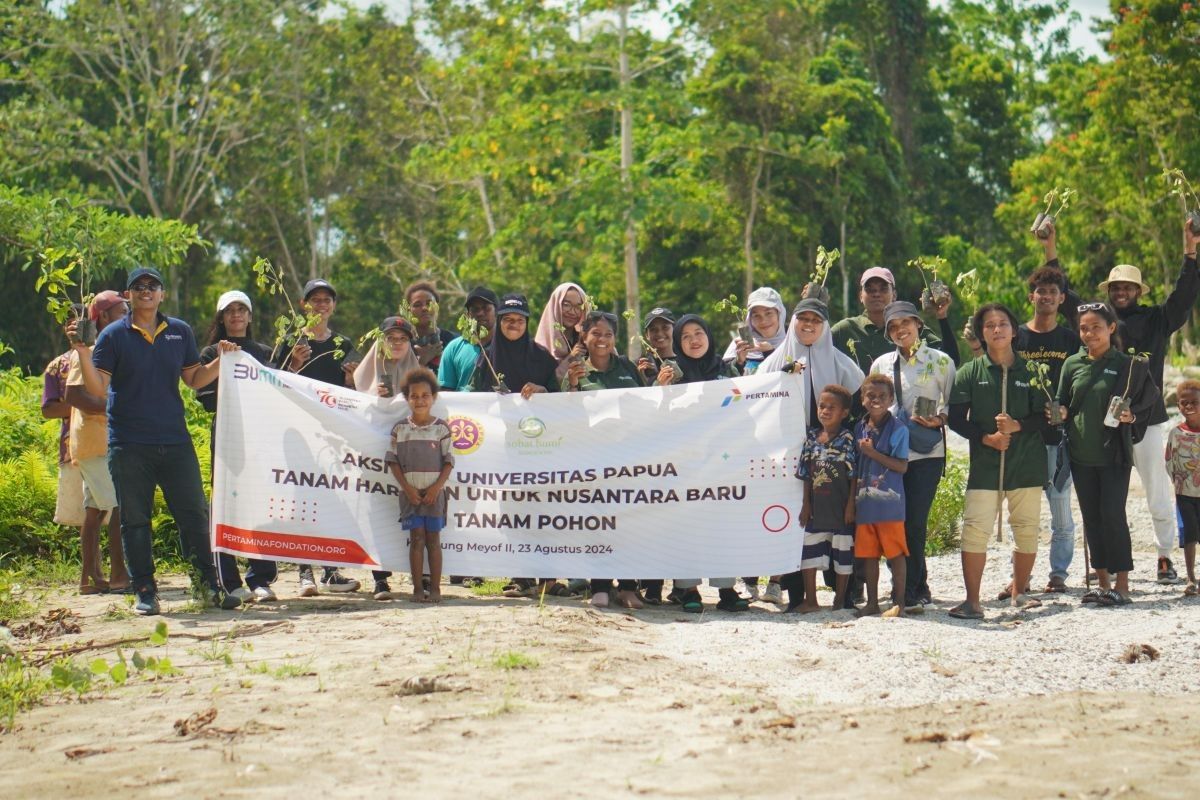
{"x": 685, "y": 481}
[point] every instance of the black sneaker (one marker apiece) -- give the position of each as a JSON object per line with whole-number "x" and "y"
{"x": 219, "y": 598}
{"x": 382, "y": 591}
{"x": 654, "y": 596}
{"x": 146, "y": 604}
{"x": 1166, "y": 573}
{"x": 335, "y": 581}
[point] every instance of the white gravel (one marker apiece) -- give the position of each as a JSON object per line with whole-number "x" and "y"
{"x": 830, "y": 657}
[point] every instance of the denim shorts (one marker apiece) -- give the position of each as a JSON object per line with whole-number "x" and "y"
{"x": 430, "y": 524}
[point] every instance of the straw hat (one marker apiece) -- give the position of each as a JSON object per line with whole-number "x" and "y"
{"x": 1124, "y": 273}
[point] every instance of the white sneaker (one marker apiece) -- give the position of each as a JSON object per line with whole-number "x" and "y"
{"x": 752, "y": 590}
{"x": 264, "y": 594}
{"x": 773, "y": 594}
{"x": 337, "y": 582}
{"x": 308, "y": 586}
{"x": 243, "y": 594}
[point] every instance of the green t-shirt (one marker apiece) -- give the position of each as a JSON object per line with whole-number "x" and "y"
{"x": 1086, "y": 433}
{"x": 621, "y": 374}
{"x": 977, "y": 384}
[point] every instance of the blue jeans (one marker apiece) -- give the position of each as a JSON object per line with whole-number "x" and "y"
{"x": 920, "y": 486}
{"x": 136, "y": 470}
{"x": 1062, "y": 525}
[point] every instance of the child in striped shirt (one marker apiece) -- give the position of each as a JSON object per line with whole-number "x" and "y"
{"x": 420, "y": 459}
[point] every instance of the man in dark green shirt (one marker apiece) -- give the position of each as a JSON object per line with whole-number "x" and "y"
{"x": 864, "y": 339}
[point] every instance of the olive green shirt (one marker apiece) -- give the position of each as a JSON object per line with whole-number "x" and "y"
{"x": 1086, "y": 432}
{"x": 871, "y": 342}
{"x": 621, "y": 374}
{"x": 974, "y": 404}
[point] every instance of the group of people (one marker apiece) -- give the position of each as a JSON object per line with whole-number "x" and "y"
{"x": 1072, "y": 396}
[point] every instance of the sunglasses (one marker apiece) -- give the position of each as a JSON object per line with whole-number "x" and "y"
{"x": 1089, "y": 307}
{"x": 145, "y": 287}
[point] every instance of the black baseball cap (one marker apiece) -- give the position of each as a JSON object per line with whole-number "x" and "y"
{"x": 399, "y": 324}
{"x": 482, "y": 293}
{"x": 319, "y": 283}
{"x": 513, "y": 304}
{"x": 145, "y": 272}
{"x": 812, "y": 305}
{"x": 658, "y": 313}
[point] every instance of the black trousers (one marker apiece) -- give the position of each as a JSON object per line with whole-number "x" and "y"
{"x": 1102, "y": 492}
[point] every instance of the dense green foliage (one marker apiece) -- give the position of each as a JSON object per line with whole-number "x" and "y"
{"x": 29, "y": 478}
{"x": 480, "y": 140}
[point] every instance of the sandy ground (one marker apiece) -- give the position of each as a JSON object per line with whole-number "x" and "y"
{"x": 309, "y": 697}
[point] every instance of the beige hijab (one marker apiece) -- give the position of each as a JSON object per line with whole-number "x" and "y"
{"x": 548, "y": 334}
{"x": 370, "y": 371}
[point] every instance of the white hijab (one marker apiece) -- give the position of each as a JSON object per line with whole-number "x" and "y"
{"x": 825, "y": 364}
{"x": 763, "y": 297}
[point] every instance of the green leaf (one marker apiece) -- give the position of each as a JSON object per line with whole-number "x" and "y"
{"x": 159, "y": 637}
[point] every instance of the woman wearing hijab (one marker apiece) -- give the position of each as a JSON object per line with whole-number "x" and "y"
{"x": 699, "y": 360}
{"x": 560, "y": 329}
{"x": 379, "y": 373}
{"x": 765, "y": 319}
{"x": 522, "y": 364}
{"x": 809, "y": 342}
{"x": 382, "y": 368}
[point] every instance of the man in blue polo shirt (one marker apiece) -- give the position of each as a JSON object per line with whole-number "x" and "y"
{"x": 138, "y": 362}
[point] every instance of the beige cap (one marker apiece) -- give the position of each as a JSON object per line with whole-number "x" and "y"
{"x": 1124, "y": 273}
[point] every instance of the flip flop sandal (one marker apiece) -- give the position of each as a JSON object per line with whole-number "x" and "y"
{"x": 1118, "y": 599}
{"x": 1105, "y": 599}
{"x": 1189, "y": 590}
{"x": 1025, "y": 602}
{"x": 965, "y": 612}
{"x": 556, "y": 589}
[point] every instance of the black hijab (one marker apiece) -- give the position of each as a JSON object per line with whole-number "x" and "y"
{"x": 709, "y": 366}
{"x": 519, "y": 362}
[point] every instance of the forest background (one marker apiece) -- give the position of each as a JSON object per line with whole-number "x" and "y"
{"x": 472, "y": 142}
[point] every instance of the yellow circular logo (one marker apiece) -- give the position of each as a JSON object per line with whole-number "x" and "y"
{"x": 466, "y": 435}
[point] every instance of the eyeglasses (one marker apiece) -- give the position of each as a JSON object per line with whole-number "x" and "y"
{"x": 1089, "y": 307}
{"x": 576, "y": 307}
{"x": 138, "y": 288}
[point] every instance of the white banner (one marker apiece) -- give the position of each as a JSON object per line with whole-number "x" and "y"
{"x": 685, "y": 481}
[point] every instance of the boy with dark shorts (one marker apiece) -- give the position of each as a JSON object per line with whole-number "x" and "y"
{"x": 828, "y": 467}
{"x": 1183, "y": 465}
{"x": 879, "y": 504}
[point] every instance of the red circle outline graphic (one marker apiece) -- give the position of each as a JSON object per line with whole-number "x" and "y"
{"x": 783, "y": 527}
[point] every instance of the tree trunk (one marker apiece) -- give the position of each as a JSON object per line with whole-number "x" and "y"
{"x": 748, "y": 228}
{"x": 633, "y": 324}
